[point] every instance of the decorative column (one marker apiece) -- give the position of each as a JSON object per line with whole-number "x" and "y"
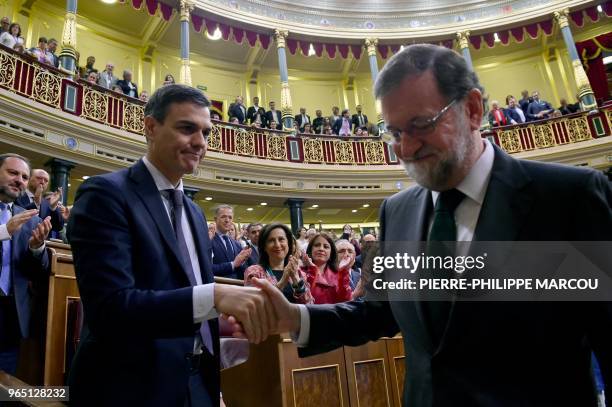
{"x": 190, "y": 192}
{"x": 286, "y": 108}
{"x": 186, "y": 7}
{"x": 295, "y": 213}
{"x": 464, "y": 45}
{"x": 585, "y": 92}
{"x": 371, "y": 44}
{"x": 60, "y": 175}
{"x": 67, "y": 56}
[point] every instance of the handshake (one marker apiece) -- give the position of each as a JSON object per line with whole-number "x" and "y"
{"x": 256, "y": 312}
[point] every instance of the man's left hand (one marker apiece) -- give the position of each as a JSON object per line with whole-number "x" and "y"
{"x": 40, "y": 233}
{"x": 55, "y": 198}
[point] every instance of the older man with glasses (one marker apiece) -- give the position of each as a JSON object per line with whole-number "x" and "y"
{"x": 4, "y": 24}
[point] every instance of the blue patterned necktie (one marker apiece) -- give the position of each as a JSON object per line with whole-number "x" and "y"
{"x": 175, "y": 196}
{"x": 5, "y": 254}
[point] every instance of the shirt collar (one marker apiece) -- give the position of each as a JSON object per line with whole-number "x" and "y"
{"x": 30, "y": 194}
{"x": 161, "y": 182}
{"x": 474, "y": 185}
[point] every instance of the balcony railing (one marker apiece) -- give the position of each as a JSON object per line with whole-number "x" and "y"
{"x": 25, "y": 76}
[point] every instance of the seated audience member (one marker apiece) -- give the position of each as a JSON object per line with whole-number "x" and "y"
{"x": 256, "y": 125}
{"x": 317, "y": 123}
{"x": 234, "y": 120}
{"x": 296, "y": 128}
{"x": 238, "y": 110}
{"x": 227, "y": 254}
{"x": 19, "y": 48}
{"x": 144, "y": 96}
{"x": 40, "y": 51}
{"x": 106, "y": 78}
{"x": 342, "y": 126}
{"x": 23, "y": 259}
{"x": 566, "y": 108}
{"x": 359, "y": 119}
{"x": 497, "y": 116}
{"x": 358, "y": 131}
{"x": 525, "y": 101}
{"x": 538, "y": 109}
{"x": 215, "y": 116}
{"x": 346, "y": 250}
{"x": 364, "y": 132}
{"x": 89, "y": 67}
{"x": 514, "y": 113}
{"x": 129, "y": 88}
{"x": 4, "y": 24}
{"x": 169, "y": 80}
{"x": 329, "y": 281}
{"x": 335, "y": 115}
{"x": 256, "y": 112}
{"x": 92, "y": 78}
{"x": 12, "y": 37}
{"x": 279, "y": 264}
{"x": 328, "y": 131}
{"x": 307, "y": 129}
{"x": 556, "y": 113}
{"x": 51, "y": 48}
{"x": 275, "y": 116}
{"x": 302, "y": 118}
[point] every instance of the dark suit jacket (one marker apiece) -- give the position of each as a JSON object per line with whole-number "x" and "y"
{"x": 298, "y": 119}
{"x": 317, "y": 123}
{"x": 337, "y": 125}
{"x": 277, "y": 119}
{"x": 524, "y": 104}
{"x": 355, "y": 120}
{"x": 126, "y": 89}
{"x": 136, "y": 294}
{"x": 252, "y": 114}
{"x": 24, "y": 269}
{"x": 57, "y": 220}
{"x": 236, "y": 111}
{"x": 496, "y": 353}
{"x": 222, "y": 260}
{"x": 512, "y": 114}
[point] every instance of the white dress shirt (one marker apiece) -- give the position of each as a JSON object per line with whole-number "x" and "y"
{"x": 203, "y": 294}
{"x": 474, "y": 186}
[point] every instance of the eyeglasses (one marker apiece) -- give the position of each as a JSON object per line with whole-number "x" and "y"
{"x": 418, "y": 127}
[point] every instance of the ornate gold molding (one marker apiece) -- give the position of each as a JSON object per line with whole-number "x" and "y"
{"x": 186, "y": 7}
{"x": 561, "y": 18}
{"x": 371, "y": 44}
{"x": 286, "y": 104}
{"x": 280, "y": 36}
{"x": 185, "y": 73}
{"x": 463, "y": 38}
{"x": 582, "y": 82}
{"x": 69, "y": 32}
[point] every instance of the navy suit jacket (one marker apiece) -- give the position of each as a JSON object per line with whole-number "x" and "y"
{"x": 137, "y": 295}
{"x": 494, "y": 353}
{"x": 222, "y": 260}
{"x": 24, "y": 269}
{"x": 278, "y": 118}
{"x": 126, "y": 89}
{"x": 512, "y": 114}
{"x": 237, "y": 112}
{"x": 57, "y": 220}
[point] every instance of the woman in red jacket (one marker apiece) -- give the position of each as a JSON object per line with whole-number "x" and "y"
{"x": 329, "y": 283}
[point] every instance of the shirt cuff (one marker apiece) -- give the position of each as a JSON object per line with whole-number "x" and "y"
{"x": 4, "y": 234}
{"x": 39, "y": 251}
{"x": 204, "y": 303}
{"x": 301, "y": 338}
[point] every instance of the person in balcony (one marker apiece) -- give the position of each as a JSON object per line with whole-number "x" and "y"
{"x": 5, "y": 22}
{"x": 307, "y": 129}
{"x": 539, "y": 109}
{"x": 169, "y": 80}
{"x": 106, "y": 78}
{"x": 144, "y": 96}
{"x": 302, "y": 119}
{"x": 12, "y": 37}
{"x": 342, "y": 126}
{"x": 51, "y": 48}
{"x": 359, "y": 119}
{"x": 514, "y": 113}
{"x": 234, "y": 120}
{"x": 328, "y": 278}
{"x": 19, "y": 48}
{"x": 89, "y": 67}
{"x": 256, "y": 112}
{"x": 566, "y": 108}
{"x": 275, "y": 116}
{"x": 238, "y": 110}
{"x": 92, "y": 78}
{"x": 129, "y": 88}
{"x": 118, "y": 89}
{"x": 317, "y": 123}
{"x": 328, "y": 130}
{"x": 497, "y": 115}
{"x": 40, "y": 51}
{"x": 525, "y": 101}
{"x": 335, "y": 115}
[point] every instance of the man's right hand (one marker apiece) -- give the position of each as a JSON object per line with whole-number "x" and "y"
{"x": 17, "y": 221}
{"x": 250, "y": 306}
{"x": 242, "y": 256}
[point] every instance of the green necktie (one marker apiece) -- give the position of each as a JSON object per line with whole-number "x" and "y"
{"x": 443, "y": 229}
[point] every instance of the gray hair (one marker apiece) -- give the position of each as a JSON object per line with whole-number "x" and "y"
{"x": 222, "y": 206}
{"x": 252, "y": 225}
{"x": 450, "y": 70}
{"x": 342, "y": 241}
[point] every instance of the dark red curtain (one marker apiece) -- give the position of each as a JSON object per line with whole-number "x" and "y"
{"x": 590, "y": 51}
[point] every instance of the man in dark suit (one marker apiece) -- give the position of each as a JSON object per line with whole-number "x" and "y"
{"x": 128, "y": 87}
{"x": 238, "y": 110}
{"x": 302, "y": 118}
{"x": 317, "y": 123}
{"x": 359, "y": 119}
{"x": 467, "y": 353}
{"x": 23, "y": 258}
{"x": 514, "y": 113}
{"x": 32, "y": 198}
{"x": 256, "y": 113}
{"x": 342, "y": 126}
{"x": 275, "y": 116}
{"x": 538, "y": 109}
{"x": 142, "y": 261}
{"x": 525, "y": 101}
{"x": 227, "y": 255}
{"x": 253, "y": 231}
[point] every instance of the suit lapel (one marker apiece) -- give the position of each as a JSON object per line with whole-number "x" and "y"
{"x": 198, "y": 224}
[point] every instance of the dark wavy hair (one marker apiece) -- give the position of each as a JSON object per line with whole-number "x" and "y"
{"x": 159, "y": 103}
{"x": 333, "y": 255}
{"x": 264, "y": 259}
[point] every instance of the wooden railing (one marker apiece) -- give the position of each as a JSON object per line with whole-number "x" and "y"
{"x": 25, "y": 76}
